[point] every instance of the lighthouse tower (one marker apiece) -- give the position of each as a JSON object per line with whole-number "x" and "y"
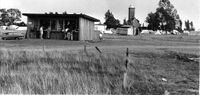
{"x": 131, "y": 12}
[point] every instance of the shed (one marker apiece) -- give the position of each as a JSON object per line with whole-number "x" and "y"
{"x": 80, "y": 26}
{"x": 125, "y": 30}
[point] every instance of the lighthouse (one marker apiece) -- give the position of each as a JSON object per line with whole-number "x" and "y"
{"x": 131, "y": 12}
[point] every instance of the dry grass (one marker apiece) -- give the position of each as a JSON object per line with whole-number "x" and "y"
{"x": 174, "y": 38}
{"x": 57, "y": 72}
{"x": 27, "y": 69}
{"x": 61, "y": 72}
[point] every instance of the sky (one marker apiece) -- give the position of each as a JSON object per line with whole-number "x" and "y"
{"x": 187, "y": 9}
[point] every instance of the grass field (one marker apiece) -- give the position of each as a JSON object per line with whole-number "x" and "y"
{"x": 62, "y": 67}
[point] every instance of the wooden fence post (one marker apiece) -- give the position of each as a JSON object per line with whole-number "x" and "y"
{"x": 85, "y": 50}
{"x": 125, "y": 84}
{"x": 127, "y": 58}
{"x": 98, "y": 49}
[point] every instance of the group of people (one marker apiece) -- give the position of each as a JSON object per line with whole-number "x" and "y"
{"x": 68, "y": 34}
{"x": 42, "y": 32}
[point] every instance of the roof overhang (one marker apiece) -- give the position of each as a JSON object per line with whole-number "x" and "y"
{"x": 61, "y": 16}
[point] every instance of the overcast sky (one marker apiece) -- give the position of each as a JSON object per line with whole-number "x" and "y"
{"x": 187, "y": 9}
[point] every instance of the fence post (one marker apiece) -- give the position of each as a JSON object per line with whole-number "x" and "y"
{"x": 127, "y": 58}
{"x": 125, "y": 84}
{"x": 98, "y": 49}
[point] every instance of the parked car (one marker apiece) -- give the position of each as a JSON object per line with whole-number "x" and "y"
{"x": 13, "y": 36}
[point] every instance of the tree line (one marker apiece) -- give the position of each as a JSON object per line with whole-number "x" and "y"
{"x": 165, "y": 18}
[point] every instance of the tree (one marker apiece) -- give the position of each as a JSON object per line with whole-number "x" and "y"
{"x": 192, "y": 27}
{"x": 65, "y": 12}
{"x": 167, "y": 22}
{"x": 14, "y": 13}
{"x": 56, "y": 12}
{"x": 172, "y": 18}
{"x": 165, "y": 18}
{"x": 125, "y": 22}
{"x": 51, "y": 13}
{"x": 110, "y": 20}
{"x": 9, "y": 16}
{"x": 189, "y": 26}
{"x": 180, "y": 28}
{"x": 153, "y": 21}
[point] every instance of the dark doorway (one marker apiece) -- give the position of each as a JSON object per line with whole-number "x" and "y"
{"x": 45, "y": 23}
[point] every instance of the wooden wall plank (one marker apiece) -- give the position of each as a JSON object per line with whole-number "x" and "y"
{"x": 86, "y": 29}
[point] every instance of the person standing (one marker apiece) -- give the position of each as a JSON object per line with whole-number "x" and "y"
{"x": 101, "y": 36}
{"x": 65, "y": 33}
{"x": 41, "y": 32}
{"x": 71, "y": 35}
{"x": 48, "y": 32}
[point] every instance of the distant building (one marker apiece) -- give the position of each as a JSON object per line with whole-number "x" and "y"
{"x": 133, "y": 21}
{"x": 110, "y": 31}
{"x": 80, "y": 26}
{"x": 125, "y": 30}
{"x": 103, "y": 30}
{"x": 100, "y": 27}
{"x": 194, "y": 33}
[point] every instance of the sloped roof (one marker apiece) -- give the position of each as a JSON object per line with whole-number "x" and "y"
{"x": 125, "y": 26}
{"x": 61, "y": 15}
{"x": 136, "y": 23}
